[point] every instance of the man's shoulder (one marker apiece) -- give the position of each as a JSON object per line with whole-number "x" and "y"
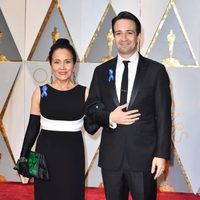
{"x": 153, "y": 63}
{"x": 107, "y": 64}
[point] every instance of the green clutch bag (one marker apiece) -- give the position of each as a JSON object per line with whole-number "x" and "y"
{"x": 36, "y": 166}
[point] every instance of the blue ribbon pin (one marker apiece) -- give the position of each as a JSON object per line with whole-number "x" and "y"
{"x": 110, "y": 75}
{"x": 44, "y": 91}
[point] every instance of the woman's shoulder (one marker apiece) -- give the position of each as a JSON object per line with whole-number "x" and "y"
{"x": 82, "y": 86}
{"x": 36, "y": 91}
{"x": 39, "y": 90}
{"x": 84, "y": 89}
{"x": 44, "y": 86}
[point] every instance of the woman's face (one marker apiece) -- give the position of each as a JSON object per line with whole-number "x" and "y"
{"x": 62, "y": 64}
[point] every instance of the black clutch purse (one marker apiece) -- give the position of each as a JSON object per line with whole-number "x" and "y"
{"x": 90, "y": 126}
{"x": 92, "y": 107}
{"x": 36, "y": 165}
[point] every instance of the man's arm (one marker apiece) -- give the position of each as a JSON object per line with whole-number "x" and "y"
{"x": 100, "y": 116}
{"x": 163, "y": 123}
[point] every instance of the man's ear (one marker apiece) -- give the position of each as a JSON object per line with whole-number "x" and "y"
{"x": 138, "y": 38}
{"x": 138, "y": 41}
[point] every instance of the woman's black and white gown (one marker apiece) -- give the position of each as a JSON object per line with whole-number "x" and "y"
{"x": 61, "y": 142}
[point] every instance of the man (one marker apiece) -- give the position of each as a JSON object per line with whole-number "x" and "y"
{"x": 136, "y": 117}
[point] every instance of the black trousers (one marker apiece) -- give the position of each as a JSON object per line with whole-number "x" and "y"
{"x": 118, "y": 184}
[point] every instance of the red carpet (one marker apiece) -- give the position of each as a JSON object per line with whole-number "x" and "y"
{"x": 17, "y": 191}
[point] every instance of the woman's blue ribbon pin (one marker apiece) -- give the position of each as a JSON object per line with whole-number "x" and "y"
{"x": 44, "y": 91}
{"x": 110, "y": 75}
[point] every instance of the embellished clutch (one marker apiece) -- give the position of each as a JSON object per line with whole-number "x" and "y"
{"x": 37, "y": 167}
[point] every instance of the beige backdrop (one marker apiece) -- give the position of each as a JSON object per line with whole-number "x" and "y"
{"x": 27, "y": 27}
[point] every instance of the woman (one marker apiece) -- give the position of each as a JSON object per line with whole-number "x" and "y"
{"x": 58, "y": 108}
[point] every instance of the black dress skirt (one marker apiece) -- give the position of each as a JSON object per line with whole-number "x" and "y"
{"x": 63, "y": 149}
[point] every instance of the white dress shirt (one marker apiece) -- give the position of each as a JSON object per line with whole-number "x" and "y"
{"x": 132, "y": 67}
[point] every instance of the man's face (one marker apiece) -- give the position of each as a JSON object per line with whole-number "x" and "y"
{"x": 126, "y": 38}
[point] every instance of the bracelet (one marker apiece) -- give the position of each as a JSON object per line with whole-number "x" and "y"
{"x": 22, "y": 159}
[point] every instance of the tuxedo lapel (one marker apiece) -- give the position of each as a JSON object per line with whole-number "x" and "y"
{"x": 112, "y": 86}
{"x": 138, "y": 79}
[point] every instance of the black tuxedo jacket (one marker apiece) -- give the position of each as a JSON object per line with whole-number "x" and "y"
{"x": 148, "y": 137}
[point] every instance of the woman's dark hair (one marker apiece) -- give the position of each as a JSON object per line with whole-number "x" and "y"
{"x": 62, "y": 43}
{"x": 127, "y": 15}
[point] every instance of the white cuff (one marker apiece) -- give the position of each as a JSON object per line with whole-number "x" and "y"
{"x": 112, "y": 125}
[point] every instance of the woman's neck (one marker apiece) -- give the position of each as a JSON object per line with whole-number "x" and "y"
{"x": 63, "y": 85}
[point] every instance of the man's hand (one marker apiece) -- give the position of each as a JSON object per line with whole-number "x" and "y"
{"x": 158, "y": 166}
{"x": 126, "y": 118}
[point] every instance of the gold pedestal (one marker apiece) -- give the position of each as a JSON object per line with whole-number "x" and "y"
{"x": 3, "y": 58}
{"x": 171, "y": 62}
{"x": 166, "y": 188}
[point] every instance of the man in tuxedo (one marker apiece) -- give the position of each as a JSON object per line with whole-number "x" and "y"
{"x": 136, "y": 117}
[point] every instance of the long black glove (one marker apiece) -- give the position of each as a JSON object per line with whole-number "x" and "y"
{"x": 29, "y": 139}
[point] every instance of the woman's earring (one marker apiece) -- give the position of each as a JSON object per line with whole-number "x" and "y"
{"x": 74, "y": 78}
{"x": 51, "y": 79}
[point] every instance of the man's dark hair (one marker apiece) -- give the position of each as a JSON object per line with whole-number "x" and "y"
{"x": 127, "y": 15}
{"x": 62, "y": 43}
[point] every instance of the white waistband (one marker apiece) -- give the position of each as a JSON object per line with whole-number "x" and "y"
{"x": 61, "y": 125}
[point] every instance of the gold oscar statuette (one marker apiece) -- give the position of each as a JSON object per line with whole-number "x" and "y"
{"x": 110, "y": 39}
{"x": 55, "y": 35}
{"x": 58, "y": 3}
{"x": 170, "y": 61}
{"x": 2, "y": 57}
